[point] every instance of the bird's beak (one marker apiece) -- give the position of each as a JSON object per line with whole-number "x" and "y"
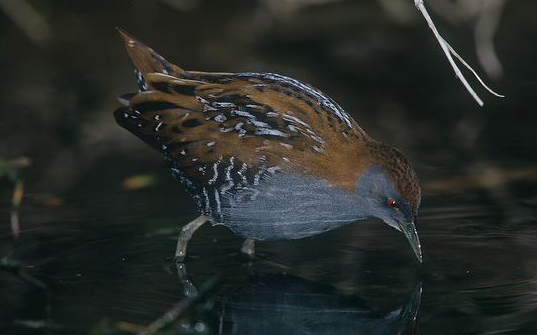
{"x": 411, "y": 234}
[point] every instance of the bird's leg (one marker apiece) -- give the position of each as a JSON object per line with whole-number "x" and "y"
{"x": 189, "y": 289}
{"x": 248, "y": 247}
{"x": 184, "y": 236}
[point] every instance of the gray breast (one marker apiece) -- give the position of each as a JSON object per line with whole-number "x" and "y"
{"x": 290, "y": 206}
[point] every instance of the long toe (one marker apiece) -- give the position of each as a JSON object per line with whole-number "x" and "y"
{"x": 248, "y": 248}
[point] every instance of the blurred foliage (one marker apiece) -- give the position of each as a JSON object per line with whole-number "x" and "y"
{"x": 8, "y": 264}
{"x": 139, "y": 181}
{"x": 63, "y": 66}
{"x": 173, "y": 321}
{"x": 9, "y": 170}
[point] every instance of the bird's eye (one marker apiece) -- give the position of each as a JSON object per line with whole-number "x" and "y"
{"x": 391, "y": 203}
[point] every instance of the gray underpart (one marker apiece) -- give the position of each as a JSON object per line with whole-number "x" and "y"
{"x": 293, "y": 206}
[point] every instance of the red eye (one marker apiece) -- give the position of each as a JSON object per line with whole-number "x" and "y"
{"x": 391, "y": 203}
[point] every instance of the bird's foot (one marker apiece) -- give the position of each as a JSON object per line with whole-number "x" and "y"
{"x": 248, "y": 248}
{"x": 189, "y": 290}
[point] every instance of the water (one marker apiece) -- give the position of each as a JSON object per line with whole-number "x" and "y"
{"x": 106, "y": 256}
{"x": 94, "y": 254}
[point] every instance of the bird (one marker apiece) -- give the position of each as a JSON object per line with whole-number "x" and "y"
{"x": 294, "y": 305}
{"x": 265, "y": 155}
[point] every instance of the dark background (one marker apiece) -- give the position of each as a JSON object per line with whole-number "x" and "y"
{"x": 62, "y": 65}
{"x": 59, "y": 88}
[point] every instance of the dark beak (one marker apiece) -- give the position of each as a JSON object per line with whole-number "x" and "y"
{"x": 411, "y": 234}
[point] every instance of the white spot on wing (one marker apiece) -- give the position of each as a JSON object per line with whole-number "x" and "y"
{"x": 223, "y": 105}
{"x": 207, "y": 204}
{"x": 315, "y": 136}
{"x": 288, "y": 117}
{"x": 207, "y": 108}
{"x": 267, "y": 131}
{"x": 229, "y": 180}
{"x": 220, "y": 118}
{"x": 321, "y": 98}
{"x": 200, "y": 99}
{"x": 257, "y": 176}
{"x": 318, "y": 149}
{"x": 215, "y": 173}
{"x": 242, "y": 170}
{"x": 217, "y": 200}
{"x": 273, "y": 169}
{"x": 286, "y": 145}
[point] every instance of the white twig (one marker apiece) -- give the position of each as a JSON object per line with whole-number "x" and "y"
{"x": 448, "y": 51}
{"x": 473, "y": 72}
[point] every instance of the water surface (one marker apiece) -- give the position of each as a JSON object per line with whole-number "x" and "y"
{"x": 94, "y": 251}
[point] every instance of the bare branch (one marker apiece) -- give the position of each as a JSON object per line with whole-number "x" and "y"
{"x": 473, "y": 72}
{"x": 449, "y": 51}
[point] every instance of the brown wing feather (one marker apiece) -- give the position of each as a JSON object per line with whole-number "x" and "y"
{"x": 221, "y": 132}
{"x": 145, "y": 59}
{"x": 197, "y": 119}
{"x": 205, "y": 126}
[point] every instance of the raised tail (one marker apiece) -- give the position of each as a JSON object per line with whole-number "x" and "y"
{"x": 146, "y": 60}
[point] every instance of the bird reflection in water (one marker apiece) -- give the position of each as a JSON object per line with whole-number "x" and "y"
{"x": 284, "y": 304}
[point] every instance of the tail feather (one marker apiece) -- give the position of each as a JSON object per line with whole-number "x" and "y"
{"x": 146, "y": 60}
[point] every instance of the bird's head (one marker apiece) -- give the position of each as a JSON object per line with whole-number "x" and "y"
{"x": 390, "y": 188}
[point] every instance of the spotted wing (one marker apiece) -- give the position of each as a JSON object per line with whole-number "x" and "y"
{"x": 222, "y": 134}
